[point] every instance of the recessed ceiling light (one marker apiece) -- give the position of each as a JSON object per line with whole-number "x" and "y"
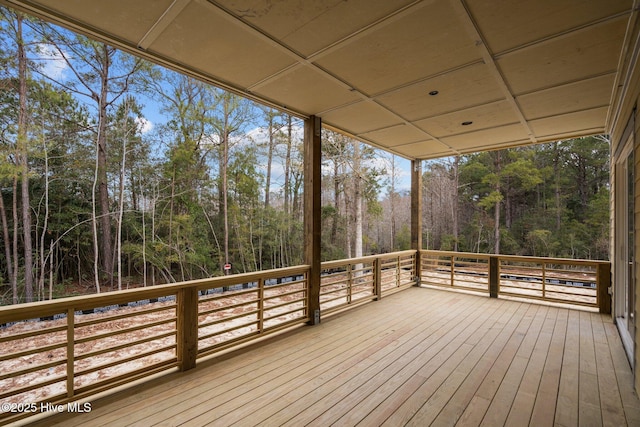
{"x": 466, "y": 123}
{"x": 433, "y": 93}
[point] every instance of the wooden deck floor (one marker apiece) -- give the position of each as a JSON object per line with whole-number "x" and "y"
{"x": 420, "y": 357}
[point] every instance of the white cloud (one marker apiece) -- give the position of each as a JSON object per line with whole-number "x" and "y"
{"x": 51, "y": 61}
{"x": 144, "y": 125}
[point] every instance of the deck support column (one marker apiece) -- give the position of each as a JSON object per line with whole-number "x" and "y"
{"x": 312, "y": 212}
{"x": 603, "y": 272}
{"x": 187, "y": 339}
{"x": 494, "y": 276}
{"x": 416, "y": 214}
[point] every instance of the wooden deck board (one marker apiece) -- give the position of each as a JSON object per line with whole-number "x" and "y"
{"x": 545, "y": 403}
{"x": 418, "y": 357}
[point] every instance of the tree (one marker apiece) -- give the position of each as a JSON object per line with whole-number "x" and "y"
{"x": 356, "y": 176}
{"x": 185, "y": 184}
{"x": 102, "y": 74}
{"x": 274, "y": 135}
{"x": 231, "y": 118}
{"x": 18, "y": 84}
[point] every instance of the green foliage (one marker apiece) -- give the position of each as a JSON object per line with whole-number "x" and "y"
{"x": 489, "y": 201}
{"x": 404, "y": 238}
{"x": 553, "y": 199}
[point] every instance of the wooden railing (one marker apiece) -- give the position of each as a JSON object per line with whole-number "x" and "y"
{"x": 345, "y": 283}
{"x": 558, "y": 280}
{"x": 57, "y": 352}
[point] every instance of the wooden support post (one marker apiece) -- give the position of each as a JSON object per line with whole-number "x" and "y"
{"x": 377, "y": 278}
{"x": 416, "y": 215}
{"x": 452, "y": 270}
{"x": 603, "y": 273}
{"x": 71, "y": 345}
{"x": 187, "y": 306}
{"x": 544, "y": 280}
{"x": 261, "y": 305}
{"x": 494, "y": 276}
{"x": 312, "y": 223}
{"x": 349, "y": 282}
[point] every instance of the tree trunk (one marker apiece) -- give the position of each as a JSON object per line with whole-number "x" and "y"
{"x": 103, "y": 190}
{"x": 357, "y": 199}
{"x": 7, "y": 249}
{"x": 336, "y": 201}
{"x": 287, "y": 170}
{"x": 94, "y": 225}
{"x": 16, "y": 230}
{"x": 45, "y": 226}
{"x": 392, "y": 198}
{"x": 121, "y": 202}
{"x": 270, "y": 147}
{"x": 23, "y": 163}
{"x": 144, "y": 238}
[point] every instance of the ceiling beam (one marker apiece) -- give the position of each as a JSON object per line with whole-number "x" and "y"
{"x": 469, "y": 24}
{"x": 162, "y": 23}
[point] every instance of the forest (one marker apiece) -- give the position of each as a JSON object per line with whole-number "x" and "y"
{"x": 117, "y": 173}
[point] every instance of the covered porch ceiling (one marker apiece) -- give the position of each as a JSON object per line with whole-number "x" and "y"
{"x": 422, "y": 79}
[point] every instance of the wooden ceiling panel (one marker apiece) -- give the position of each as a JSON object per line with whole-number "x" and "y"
{"x": 201, "y": 36}
{"x": 582, "y": 95}
{"x": 460, "y": 89}
{"x": 361, "y": 117}
{"x": 506, "y": 24}
{"x": 421, "y": 44}
{"x": 395, "y": 135}
{"x": 581, "y": 55}
{"x": 310, "y": 26}
{"x": 423, "y": 150}
{"x": 306, "y": 90}
{"x": 577, "y": 124}
{"x": 486, "y": 137}
{"x": 483, "y": 117}
{"x": 125, "y": 19}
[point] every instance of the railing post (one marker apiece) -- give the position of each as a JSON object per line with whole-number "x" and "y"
{"x": 377, "y": 278}
{"x": 261, "y": 305}
{"x": 187, "y": 299}
{"x": 418, "y": 267}
{"x": 494, "y": 276}
{"x": 544, "y": 281}
{"x": 603, "y": 283}
{"x": 349, "y": 282}
{"x": 71, "y": 352}
{"x": 452, "y": 264}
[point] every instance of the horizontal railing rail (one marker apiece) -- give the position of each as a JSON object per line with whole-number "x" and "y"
{"x": 559, "y": 280}
{"x": 457, "y": 270}
{"x": 57, "y": 352}
{"x": 352, "y": 281}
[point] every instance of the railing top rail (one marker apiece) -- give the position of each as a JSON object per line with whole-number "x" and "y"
{"x": 13, "y": 313}
{"x": 456, "y": 254}
{"x": 338, "y": 262}
{"x": 546, "y": 260}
